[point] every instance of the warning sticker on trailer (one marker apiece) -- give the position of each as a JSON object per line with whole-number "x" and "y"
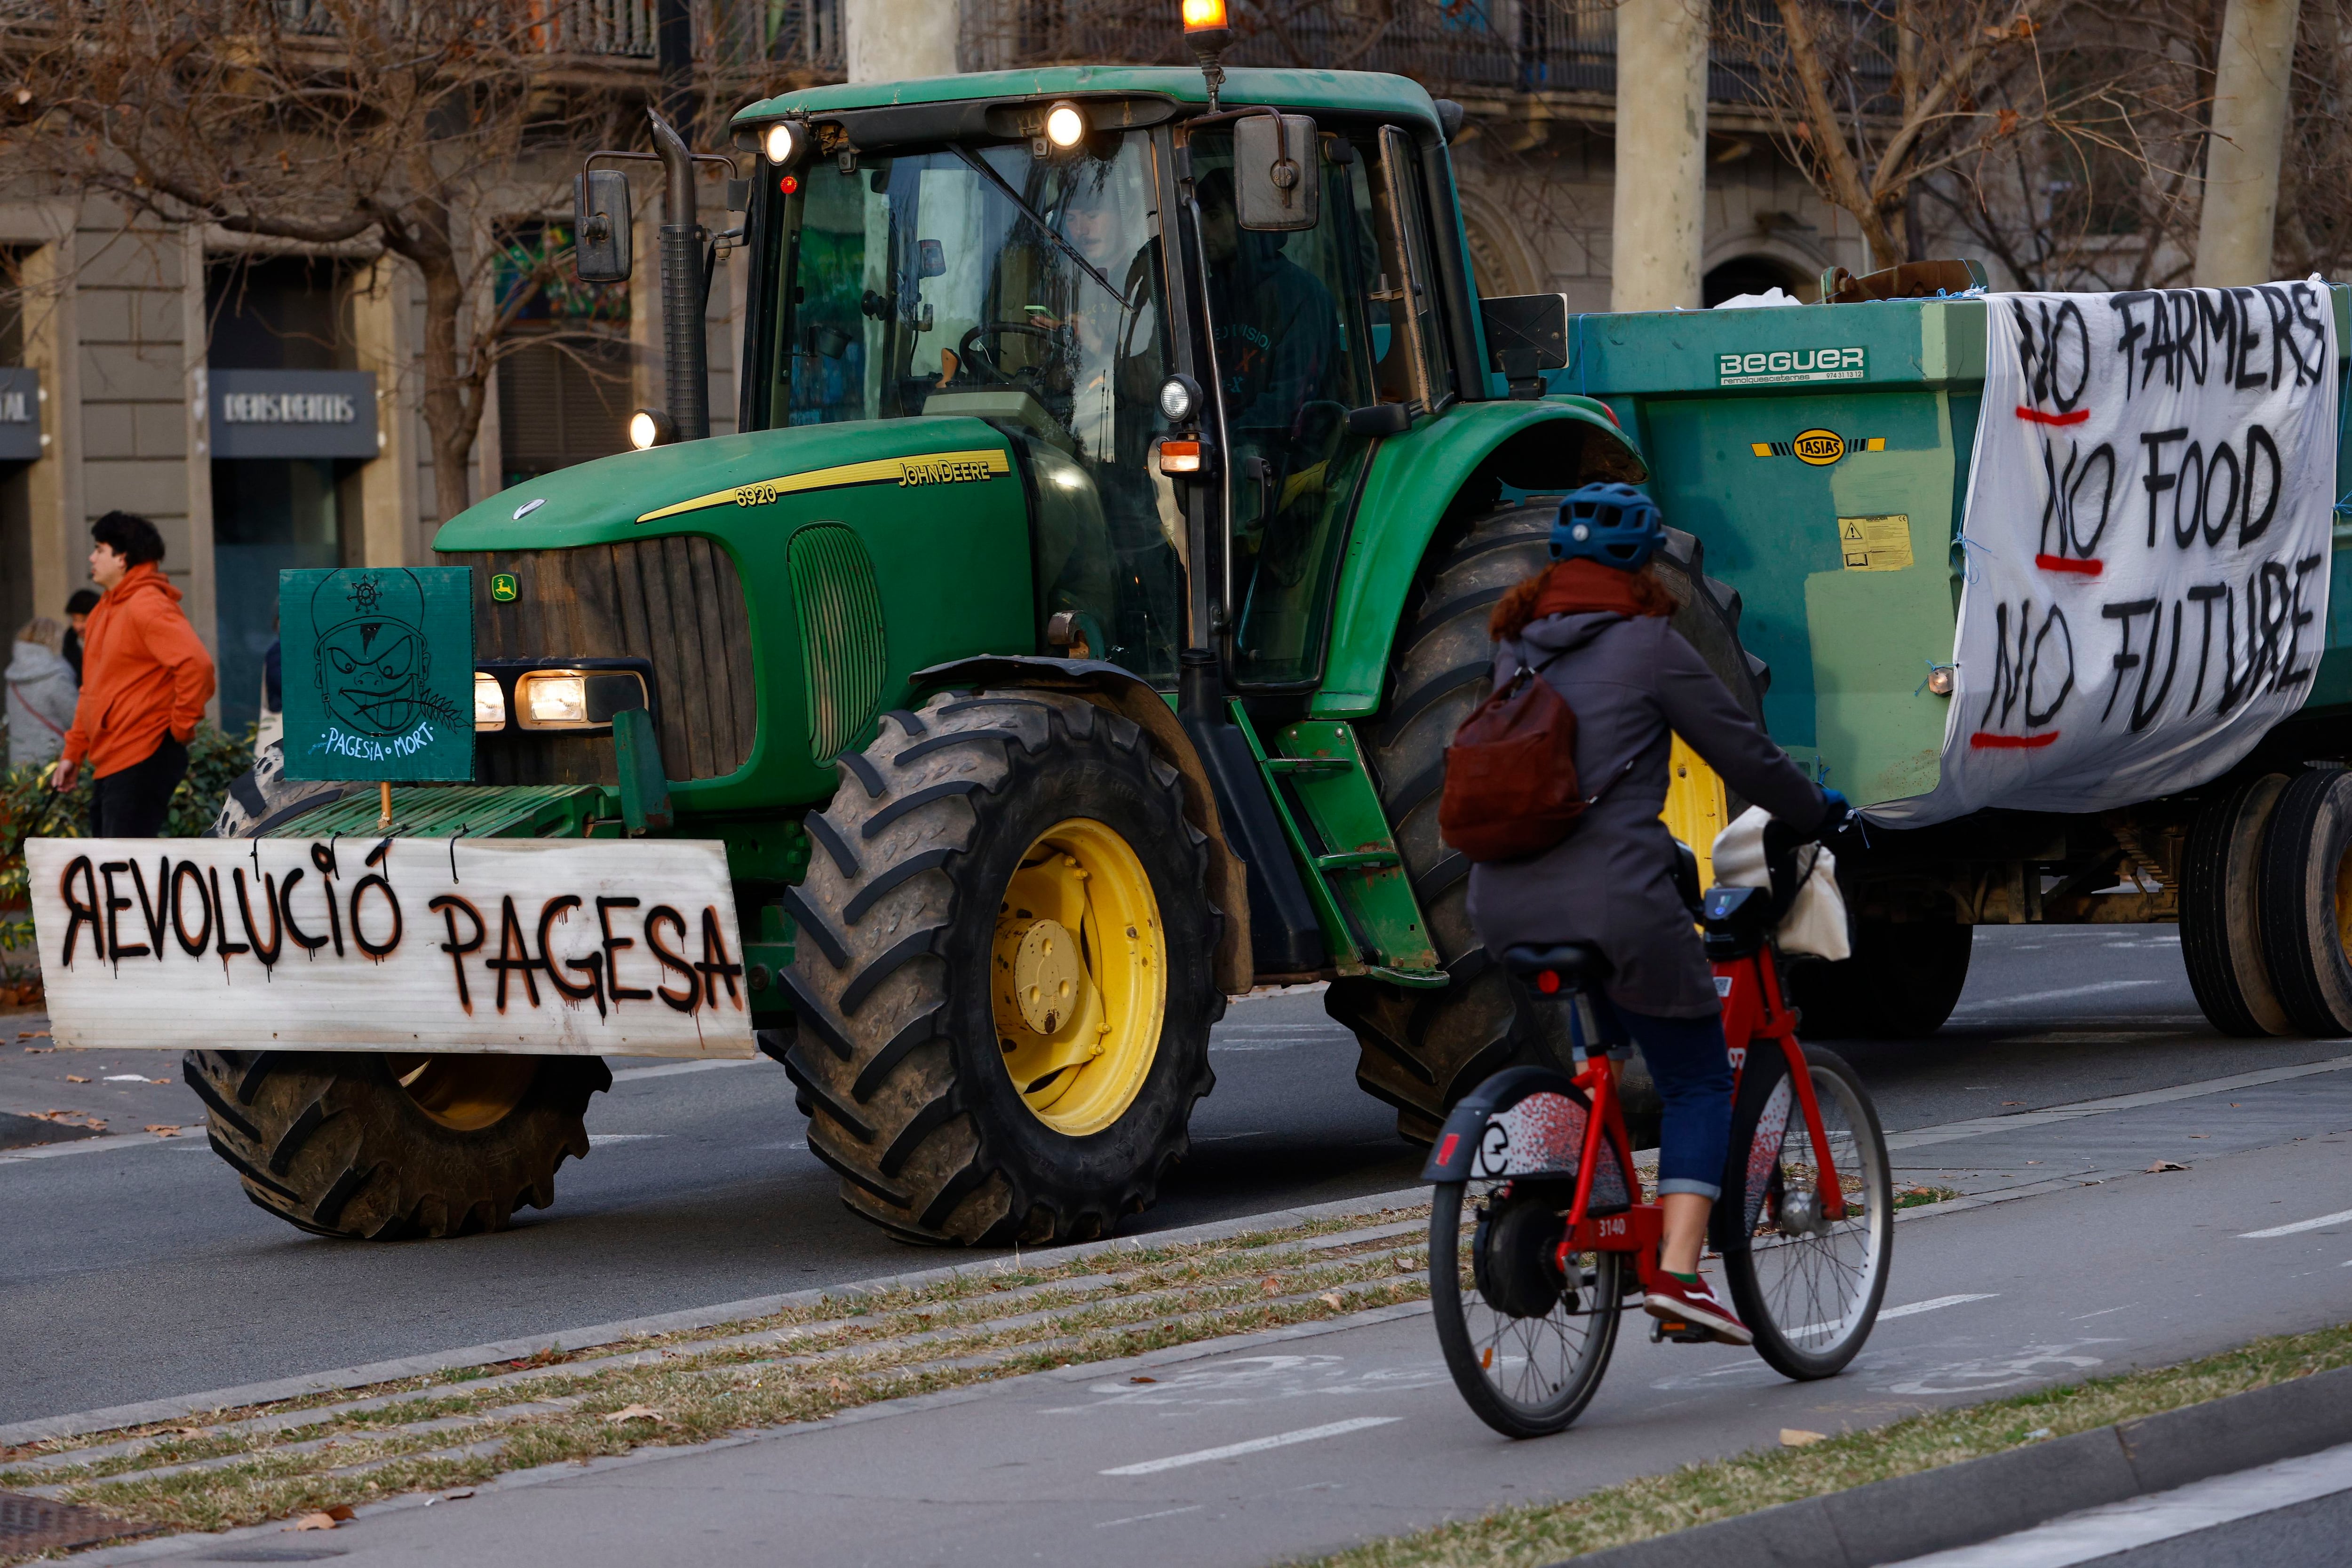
{"x": 1880, "y": 543}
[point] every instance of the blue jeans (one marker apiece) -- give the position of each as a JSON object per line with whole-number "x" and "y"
{"x": 1692, "y": 1067}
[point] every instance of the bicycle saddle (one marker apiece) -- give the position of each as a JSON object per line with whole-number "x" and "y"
{"x": 1566, "y": 966}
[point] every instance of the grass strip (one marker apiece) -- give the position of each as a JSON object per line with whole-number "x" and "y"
{"x": 1538, "y": 1533}
{"x": 468, "y": 1425}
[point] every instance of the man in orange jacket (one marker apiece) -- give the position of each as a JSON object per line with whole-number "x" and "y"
{"x": 145, "y": 681}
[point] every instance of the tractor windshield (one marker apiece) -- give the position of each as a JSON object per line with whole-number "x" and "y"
{"x": 1025, "y": 291}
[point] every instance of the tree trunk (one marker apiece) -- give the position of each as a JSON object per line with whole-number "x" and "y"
{"x": 452, "y": 418}
{"x": 2251, "y": 83}
{"x": 1658, "y": 228}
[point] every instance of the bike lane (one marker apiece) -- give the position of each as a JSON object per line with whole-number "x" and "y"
{"x": 1309, "y": 1440}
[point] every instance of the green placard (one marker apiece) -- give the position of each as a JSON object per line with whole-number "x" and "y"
{"x": 379, "y": 669}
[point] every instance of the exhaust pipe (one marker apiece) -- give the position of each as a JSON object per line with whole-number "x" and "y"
{"x": 686, "y": 370}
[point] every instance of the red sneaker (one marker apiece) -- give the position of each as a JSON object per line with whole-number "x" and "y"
{"x": 1675, "y": 1302}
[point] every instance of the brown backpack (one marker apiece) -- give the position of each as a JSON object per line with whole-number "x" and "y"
{"x": 1510, "y": 775}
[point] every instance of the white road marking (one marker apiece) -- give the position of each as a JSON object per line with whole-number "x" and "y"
{"x": 2100, "y": 1532}
{"x": 1139, "y": 1518}
{"x": 1255, "y": 1446}
{"x": 670, "y": 1069}
{"x": 1912, "y": 1309}
{"x": 2338, "y": 1217}
{"x": 93, "y": 1145}
{"x": 2090, "y": 990}
{"x": 2103, "y": 1311}
{"x": 598, "y": 1140}
{"x": 1976, "y": 1127}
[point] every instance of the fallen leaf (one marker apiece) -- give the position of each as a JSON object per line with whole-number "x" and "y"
{"x": 2013, "y": 1102}
{"x": 1270, "y": 1285}
{"x": 76, "y": 1078}
{"x": 163, "y": 1129}
{"x": 2200, "y": 1135}
{"x": 633, "y": 1413}
{"x": 339, "y": 1514}
{"x": 2167, "y": 1165}
{"x": 1797, "y": 1436}
{"x": 1330, "y": 1299}
{"x": 457, "y": 1496}
{"x": 33, "y": 1034}
{"x": 39, "y": 1049}
{"x": 1143, "y": 1380}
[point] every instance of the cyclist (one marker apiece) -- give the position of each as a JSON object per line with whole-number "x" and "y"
{"x": 1594, "y": 625}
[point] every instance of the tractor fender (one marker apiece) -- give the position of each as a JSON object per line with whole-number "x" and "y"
{"x": 1546, "y": 444}
{"x": 1127, "y": 693}
{"x": 1523, "y": 1121}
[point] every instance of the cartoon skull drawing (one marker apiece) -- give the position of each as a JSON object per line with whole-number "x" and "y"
{"x": 371, "y": 664}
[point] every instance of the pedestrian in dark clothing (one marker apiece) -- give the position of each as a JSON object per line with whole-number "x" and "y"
{"x": 148, "y": 679}
{"x": 78, "y": 610}
{"x": 1595, "y": 625}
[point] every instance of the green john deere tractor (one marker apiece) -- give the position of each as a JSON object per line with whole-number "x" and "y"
{"x": 1068, "y": 640}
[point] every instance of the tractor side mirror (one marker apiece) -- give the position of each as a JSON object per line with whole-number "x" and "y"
{"x": 1526, "y": 334}
{"x": 1277, "y": 184}
{"x": 601, "y": 225}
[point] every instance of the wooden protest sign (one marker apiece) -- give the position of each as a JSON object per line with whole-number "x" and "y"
{"x": 379, "y": 666}
{"x": 536, "y": 947}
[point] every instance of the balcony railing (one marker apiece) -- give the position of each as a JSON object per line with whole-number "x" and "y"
{"x": 1480, "y": 49}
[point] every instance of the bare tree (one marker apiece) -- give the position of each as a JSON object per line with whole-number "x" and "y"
{"x": 1883, "y": 103}
{"x": 366, "y": 126}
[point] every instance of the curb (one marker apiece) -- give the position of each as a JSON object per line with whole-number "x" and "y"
{"x": 1980, "y": 1500}
{"x": 83, "y": 1422}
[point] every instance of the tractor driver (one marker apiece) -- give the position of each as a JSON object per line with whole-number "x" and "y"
{"x": 1277, "y": 332}
{"x": 1279, "y": 347}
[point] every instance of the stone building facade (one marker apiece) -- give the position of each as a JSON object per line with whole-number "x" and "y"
{"x": 144, "y": 341}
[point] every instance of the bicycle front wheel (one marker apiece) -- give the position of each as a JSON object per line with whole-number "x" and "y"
{"x": 1809, "y": 1286}
{"x": 1526, "y": 1344}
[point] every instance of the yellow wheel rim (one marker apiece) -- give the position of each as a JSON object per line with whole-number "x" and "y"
{"x": 467, "y": 1093}
{"x": 1078, "y": 977}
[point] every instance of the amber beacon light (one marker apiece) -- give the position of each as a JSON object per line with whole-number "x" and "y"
{"x": 1207, "y": 30}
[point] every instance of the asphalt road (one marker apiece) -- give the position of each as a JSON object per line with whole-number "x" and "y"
{"x": 1290, "y": 1444}
{"x": 136, "y": 1270}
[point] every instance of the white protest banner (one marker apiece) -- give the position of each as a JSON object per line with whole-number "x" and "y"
{"x": 540, "y": 947}
{"x": 2146, "y": 539}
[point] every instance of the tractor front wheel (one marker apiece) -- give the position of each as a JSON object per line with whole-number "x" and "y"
{"x": 1003, "y": 980}
{"x": 382, "y": 1147}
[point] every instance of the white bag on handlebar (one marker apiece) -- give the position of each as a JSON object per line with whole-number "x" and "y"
{"x": 1815, "y": 924}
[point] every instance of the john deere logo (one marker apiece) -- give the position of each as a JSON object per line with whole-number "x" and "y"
{"x": 1819, "y": 447}
{"x": 502, "y": 584}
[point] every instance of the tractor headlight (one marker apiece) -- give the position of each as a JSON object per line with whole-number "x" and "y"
{"x": 490, "y": 702}
{"x": 651, "y": 427}
{"x": 576, "y": 699}
{"x": 1179, "y": 398}
{"x": 1066, "y": 125}
{"x": 782, "y": 142}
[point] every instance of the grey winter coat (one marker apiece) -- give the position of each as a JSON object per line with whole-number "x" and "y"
{"x": 1633, "y": 684}
{"x": 41, "y": 695}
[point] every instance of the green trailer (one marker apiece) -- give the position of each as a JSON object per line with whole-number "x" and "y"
{"x": 1069, "y": 639}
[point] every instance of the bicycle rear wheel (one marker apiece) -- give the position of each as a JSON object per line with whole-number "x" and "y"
{"x": 1809, "y": 1287}
{"x": 1526, "y": 1345}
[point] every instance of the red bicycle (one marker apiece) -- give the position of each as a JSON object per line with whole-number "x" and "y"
{"x": 1536, "y": 1233}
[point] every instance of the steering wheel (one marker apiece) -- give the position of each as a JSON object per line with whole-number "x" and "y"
{"x": 985, "y": 361}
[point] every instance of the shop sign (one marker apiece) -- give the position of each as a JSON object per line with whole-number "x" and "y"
{"x": 20, "y": 414}
{"x": 292, "y": 414}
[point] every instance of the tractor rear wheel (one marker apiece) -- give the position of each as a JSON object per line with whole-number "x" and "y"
{"x": 381, "y": 1148}
{"x": 1423, "y": 1049}
{"x": 1002, "y": 978}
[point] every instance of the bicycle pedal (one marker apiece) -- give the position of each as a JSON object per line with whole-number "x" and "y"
{"x": 1681, "y": 1333}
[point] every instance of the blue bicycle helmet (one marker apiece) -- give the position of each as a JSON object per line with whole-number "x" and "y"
{"x": 1615, "y": 525}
